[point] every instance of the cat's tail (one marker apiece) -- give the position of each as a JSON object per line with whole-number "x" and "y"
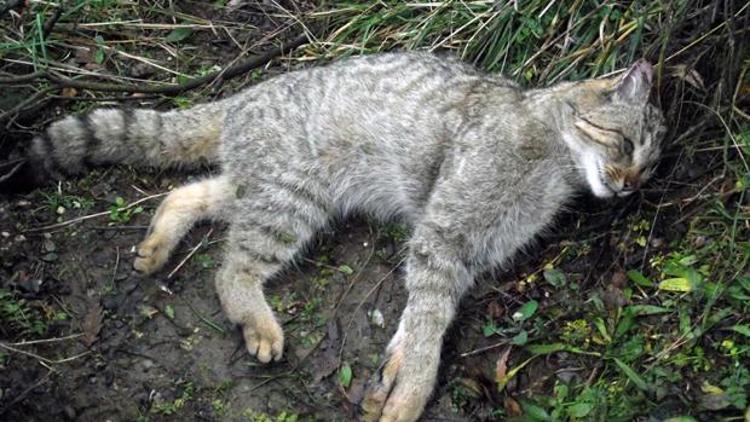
{"x": 139, "y": 137}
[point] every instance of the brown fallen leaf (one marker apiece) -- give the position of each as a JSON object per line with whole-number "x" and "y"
{"x": 512, "y": 407}
{"x": 91, "y": 324}
{"x": 328, "y": 361}
{"x": 501, "y": 367}
{"x": 69, "y": 92}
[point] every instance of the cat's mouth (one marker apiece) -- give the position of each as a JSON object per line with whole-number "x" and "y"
{"x": 613, "y": 189}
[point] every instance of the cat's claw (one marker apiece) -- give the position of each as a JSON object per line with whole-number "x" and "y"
{"x": 152, "y": 254}
{"x": 264, "y": 339}
{"x": 395, "y": 396}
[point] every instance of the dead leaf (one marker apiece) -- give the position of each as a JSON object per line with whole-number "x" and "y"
{"x": 69, "y": 92}
{"x": 329, "y": 359}
{"x": 619, "y": 279}
{"x": 91, "y": 324}
{"x": 690, "y": 76}
{"x": 512, "y": 407}
{"x": 495, "y": 310}
{"x": 501, "y": 367}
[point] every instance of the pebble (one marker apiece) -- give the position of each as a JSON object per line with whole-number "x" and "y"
{"x": 49, "y": 246}
{"x": 50, "y": 257}
{"x": 657, "y": 242}
{"x": 31, "y": 285}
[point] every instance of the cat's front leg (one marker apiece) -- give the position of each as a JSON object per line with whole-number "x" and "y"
{"x": 436, "y": 279}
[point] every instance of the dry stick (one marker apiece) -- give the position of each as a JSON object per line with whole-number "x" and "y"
{"x": 45, "y": 340}
{"x": 231, "y": 72}
{"x": 192, "y": 252}
{"x": 42, "y": 358}
{"x": 26, "y": 392}
{"x": 12, "y": 171}
{"x": 22, "y": 78}
{"x": 37, "y": 95}
{"x": 484, "y": 349}
{"x": 90, "y": 216}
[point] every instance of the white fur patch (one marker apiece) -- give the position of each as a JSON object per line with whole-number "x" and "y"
{"x": 591, "y": 166}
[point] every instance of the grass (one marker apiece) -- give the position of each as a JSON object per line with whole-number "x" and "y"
{"x": 650, "y": 299}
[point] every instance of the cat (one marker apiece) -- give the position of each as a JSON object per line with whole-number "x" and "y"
{"x": 475, "y": 164}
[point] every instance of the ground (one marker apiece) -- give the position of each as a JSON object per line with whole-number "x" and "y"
{"x": 633, "y": 308}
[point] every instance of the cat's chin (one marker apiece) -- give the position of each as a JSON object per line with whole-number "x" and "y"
{"x": 600, "y": 190}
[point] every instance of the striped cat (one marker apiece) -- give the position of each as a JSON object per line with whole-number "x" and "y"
{"x": 475, "y": 164}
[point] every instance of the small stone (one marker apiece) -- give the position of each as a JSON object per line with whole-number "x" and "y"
{"x": 5, "y": 234}
{"x": 657, "y": 242}
{"x": 49, "y": 246}
{"x": 23, "y": 203}
{"x": 50, "y": 257}
{"x": 376, "y": 318}
{"x": 60, "y": 210}
{"x": 30, "y": 285}
{"x": 20, "y": 238}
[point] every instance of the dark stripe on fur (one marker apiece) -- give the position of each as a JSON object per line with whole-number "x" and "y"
{"x": 92, "y": 142}
{"x": 51, "y": 153}
{"x": 257, "y": 256}
{"x": 300, "y": 192}
{"x": 284, "y": 239}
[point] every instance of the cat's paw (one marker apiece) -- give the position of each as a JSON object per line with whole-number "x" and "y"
{"x": 152, "y": 254}
{"x": 399, "y": 391}
{"x": 264, "y": 338}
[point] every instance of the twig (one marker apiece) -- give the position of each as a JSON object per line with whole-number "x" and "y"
{"x": 12, "y": 171}
{"x": 46, "y": 340}
{"x": 484, "y": 349}
{"x": 19, "y": 398}
{"x": 233, "y": 71}
{"x": 50, "y": 23}
{"x": 10, "y": 5}
{"x": 42, "y": 358}
{"x": 22, "y": 78}
{"x": 189, "y": 255}
{"x": 20, "y": 106}
{"x": 88, "y": 217}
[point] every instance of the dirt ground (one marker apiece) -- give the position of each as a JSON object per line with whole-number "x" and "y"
{"x": 163, "y": 348}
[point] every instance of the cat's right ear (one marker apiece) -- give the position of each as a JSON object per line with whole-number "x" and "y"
{"x": 635, "y": 84}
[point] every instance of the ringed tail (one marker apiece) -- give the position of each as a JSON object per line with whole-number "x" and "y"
{"x": 138, "y": 137}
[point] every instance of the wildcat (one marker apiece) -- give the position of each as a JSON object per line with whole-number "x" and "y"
{"x": 475, "y": 164}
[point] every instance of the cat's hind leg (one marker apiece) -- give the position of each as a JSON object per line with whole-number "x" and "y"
{"x": 176, "y": 215}
{"x": 272, "y": 221}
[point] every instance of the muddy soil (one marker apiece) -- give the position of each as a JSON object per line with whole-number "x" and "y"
{"x": 163, "y": 347}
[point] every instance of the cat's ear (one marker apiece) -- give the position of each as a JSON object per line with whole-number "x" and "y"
{"x": 635, "y": 84}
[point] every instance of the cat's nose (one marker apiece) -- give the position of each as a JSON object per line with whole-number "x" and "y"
{"x": 631, "y": 183}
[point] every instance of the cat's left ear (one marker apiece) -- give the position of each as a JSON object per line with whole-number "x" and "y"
{"x": 635, "y": 84}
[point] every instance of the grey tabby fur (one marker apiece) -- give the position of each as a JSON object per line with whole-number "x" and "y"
{"x": 477, "y": 165}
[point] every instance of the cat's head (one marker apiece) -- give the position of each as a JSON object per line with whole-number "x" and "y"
{"x": 614, "y": 133}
